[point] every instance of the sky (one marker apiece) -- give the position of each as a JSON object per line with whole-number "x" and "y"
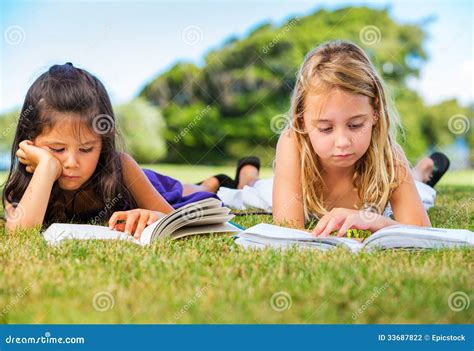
{"x": 127, "y": 44}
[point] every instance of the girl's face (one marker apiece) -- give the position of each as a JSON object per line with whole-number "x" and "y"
{"x": 78, "y": 154}
{"x": 339, "y": 126}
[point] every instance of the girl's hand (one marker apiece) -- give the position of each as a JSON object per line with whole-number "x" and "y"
{"x": 31, "y": 156}
{"x": 135, "y": 220}
{"x": 342, "y": 219}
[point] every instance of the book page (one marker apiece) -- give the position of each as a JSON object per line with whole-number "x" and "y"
{"x": 58, "y": 232}
{"x": 189, "y": 212}
{"x": 267, "y": 233}
{"x": 404, "y": 236}
{"x": 205, "y": 229}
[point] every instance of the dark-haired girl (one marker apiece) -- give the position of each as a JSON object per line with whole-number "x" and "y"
{"x": 66, "y": 166}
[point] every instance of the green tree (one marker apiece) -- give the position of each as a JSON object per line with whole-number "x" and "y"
{"x": 142, "y": 127}
{"x": 248, "y": 81}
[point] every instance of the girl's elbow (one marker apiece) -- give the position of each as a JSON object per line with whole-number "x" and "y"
{"x": 24, "y": 225}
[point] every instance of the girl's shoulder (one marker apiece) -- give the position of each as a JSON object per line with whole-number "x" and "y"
{"x": 287, "y": 142}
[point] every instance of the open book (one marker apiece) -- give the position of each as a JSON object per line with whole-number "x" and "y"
{"x": 201, "y": 217}
{"x": 392, "y": 237}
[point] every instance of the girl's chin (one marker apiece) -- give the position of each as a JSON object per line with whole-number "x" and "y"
{"x": 65, "y": 186}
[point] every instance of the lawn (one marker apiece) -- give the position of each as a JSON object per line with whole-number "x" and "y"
{"x": 209, "y": 279}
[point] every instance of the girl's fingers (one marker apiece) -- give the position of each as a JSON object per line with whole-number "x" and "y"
{"x": 116, "y": 216}
{"x": 346, "y": 225}
{"x": 321, "y": 225}
{"x": 24, "y": 144}
{"x": 29, "y": 169}
{"x": 329, "y": 228}
{"x": 154, "y": 216}
{"x": 20, "y": 154}
{"x": 142, "y": 223}
{"x": 131, "y": 221}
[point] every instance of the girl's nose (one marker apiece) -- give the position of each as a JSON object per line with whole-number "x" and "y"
{"x": 343, "y": 141}
{"x": 71, "y": 161}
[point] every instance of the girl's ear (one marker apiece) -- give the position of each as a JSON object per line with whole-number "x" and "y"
{"x": 376, "y": 117}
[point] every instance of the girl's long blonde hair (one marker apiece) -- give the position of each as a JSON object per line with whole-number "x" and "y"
{"x": 343, "y": 65}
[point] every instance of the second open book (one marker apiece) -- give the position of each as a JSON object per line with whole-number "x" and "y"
{"x": 393, "y": 237}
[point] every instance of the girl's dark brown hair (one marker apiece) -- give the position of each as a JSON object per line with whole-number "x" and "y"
{"x": 67, "y": 89}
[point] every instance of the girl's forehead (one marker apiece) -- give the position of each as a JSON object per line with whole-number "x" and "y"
{"x": 336, "y": 104}
{"x": 69, "y": 131}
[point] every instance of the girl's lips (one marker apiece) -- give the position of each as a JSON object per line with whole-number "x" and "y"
{"x": 70, "y": 177}
{"x": 343, "y": 155}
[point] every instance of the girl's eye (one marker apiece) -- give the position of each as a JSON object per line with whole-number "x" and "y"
{"x": 356, "y": 126}
{"x": 86, "y": 150}
{"x": 325, "y": 130}
{"x": 56, "y": 150}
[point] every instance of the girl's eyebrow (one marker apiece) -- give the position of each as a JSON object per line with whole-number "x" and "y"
{"x": 61, "y": 143}
{"x": 353, "y": 117}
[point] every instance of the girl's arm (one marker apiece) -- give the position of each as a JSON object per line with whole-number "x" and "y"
{"x": 287, "y": 190}
{"x": 144, "y": 193}
{"x": 406, "y": 203}
{"x": 31, "y": 209}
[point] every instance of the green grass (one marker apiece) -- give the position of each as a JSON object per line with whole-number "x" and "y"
{"x": 209, "y": 279}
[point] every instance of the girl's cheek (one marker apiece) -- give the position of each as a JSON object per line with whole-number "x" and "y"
{"x": 320, "y": 146}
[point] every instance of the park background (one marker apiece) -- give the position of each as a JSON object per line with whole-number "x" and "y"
{"x": 204, "y": 83}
